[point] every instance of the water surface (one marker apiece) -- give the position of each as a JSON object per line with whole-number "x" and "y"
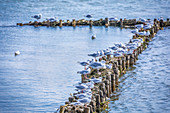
{"x": 41, "y": 78}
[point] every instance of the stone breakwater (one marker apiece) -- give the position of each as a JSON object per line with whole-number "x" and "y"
{"x": 101, "y": 77}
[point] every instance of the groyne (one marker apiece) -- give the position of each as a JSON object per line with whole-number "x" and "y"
{"x": 102, "y": 90}
{"x": 127, "y": 23}
{"x": 98, "y": 83}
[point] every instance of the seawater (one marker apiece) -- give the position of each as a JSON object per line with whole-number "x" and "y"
{"x": 41, "y": 78}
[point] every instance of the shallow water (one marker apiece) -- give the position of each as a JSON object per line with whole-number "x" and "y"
{"x": 41, "y": 78}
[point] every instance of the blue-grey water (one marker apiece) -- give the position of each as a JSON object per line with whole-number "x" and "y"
{"x": 41, "y": 78}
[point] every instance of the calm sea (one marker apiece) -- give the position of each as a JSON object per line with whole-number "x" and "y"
{"x": 41, "y": 78}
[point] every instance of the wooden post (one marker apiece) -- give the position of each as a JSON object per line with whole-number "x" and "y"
{"x": 113, "y": 82}
{"x": 161, "y": 24}
{"x": 167, "y": 22}
{"x": 60, "y": 23}
{"x": 91, "y": 23}
{"x": 93, "y": 104}
{"x": 68, "y": 22}
{"x": 74, "y": 23}
{"x": 106, "y": 22}
{"x": 121, "y": 23}
{"x": 62, "y": 109}
{"x": 86, "y": 110}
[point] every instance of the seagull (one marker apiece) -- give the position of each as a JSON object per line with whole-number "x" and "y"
{"x": 83, "y": 95}
{"x": 81, "y": 86}
{"x": 139, "y": 26}
{"x": 161, "y": 18}
{"x": 109, "y": 66}
{"x": 89, "y": 16}
{"x": 147, "y": 33}
{"x": 97, "y": 65}
{"x": 93, "y": 37}
{"x": 85, "y": 72}
{"x": 37, "y": 16}
{"x": 96, "y": 80}
{"x": 142, "y": 20}
{"x": 142, "y": 33}
{"x": 94, "y": 55}
{"x": 148, "y": 26}
{"x": 135, "y": 31}
{"x": 85, "y": 100}
{"x": 52, "y": 19}
{"x": 83, "y": 64}
{"x": 17, "y": 53}
{"x": 113, "y": 19}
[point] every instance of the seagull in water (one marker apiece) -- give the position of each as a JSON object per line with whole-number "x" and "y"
{"x": 17, "y": 53}
{"x": 93, "y": 37}
{"x": 37, "y": 16}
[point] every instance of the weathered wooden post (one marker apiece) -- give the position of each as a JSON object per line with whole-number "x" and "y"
{"x": 121, "y": 23}
{"x": 106, "y": 22}
{"x": 91, "y": 23}
{"x": 62, "y": 109}
{"x": 73, "y": 22}
{"x": 86, "y": 110}
{"x": 161, "y": 24}
{"x": 97, "y": 103}
{"x": 113, "y": 82}
{"x": 60, "y": 23}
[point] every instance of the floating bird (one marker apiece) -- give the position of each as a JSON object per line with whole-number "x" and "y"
{"x": 93, "y": 37}
{"x": 17, "y": 53}
{"x": 37, "y": 16}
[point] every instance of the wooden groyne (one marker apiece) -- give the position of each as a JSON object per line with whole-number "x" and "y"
{"x": 109, "y": 77}
{"x": 129, "y": 23}
{"x": 97, "y": 85}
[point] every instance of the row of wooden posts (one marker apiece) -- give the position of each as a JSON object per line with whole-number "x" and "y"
{"x": 101, "y": 22}
{"x": 110, "y": 77}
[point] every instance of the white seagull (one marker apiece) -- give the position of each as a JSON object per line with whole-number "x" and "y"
{"x": 17, "y": 53}
{"x": 37, "y": 16}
